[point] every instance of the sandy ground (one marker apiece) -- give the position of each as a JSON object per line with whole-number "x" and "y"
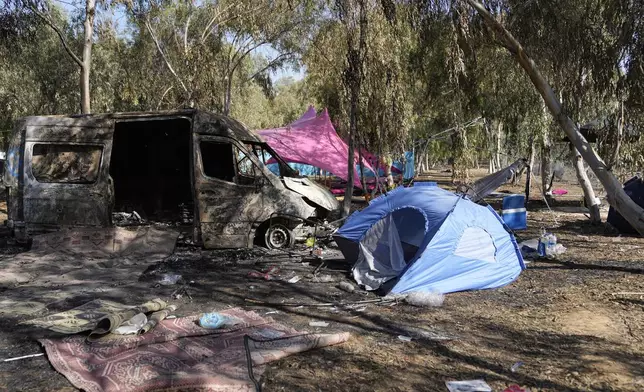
{"x": 564, "y": 319}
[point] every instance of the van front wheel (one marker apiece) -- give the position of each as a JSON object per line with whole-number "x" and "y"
{"x": 278, "y": 236}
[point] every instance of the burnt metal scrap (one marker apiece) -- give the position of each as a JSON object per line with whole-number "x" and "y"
{"x": 194, "y": 167}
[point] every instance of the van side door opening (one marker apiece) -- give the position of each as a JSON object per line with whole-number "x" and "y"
{"x": 151, "y": 168}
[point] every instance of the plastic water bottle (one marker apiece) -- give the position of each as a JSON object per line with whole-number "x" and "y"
{"x": 543, "y": 241}
{"x": 551, "y": 248}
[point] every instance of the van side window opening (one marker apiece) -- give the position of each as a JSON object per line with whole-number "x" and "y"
{"x": 248, "y": 173}
{"x": 66, "y": 163}
{"x": 265, "y": 156}
{"x": 217, "y": 160}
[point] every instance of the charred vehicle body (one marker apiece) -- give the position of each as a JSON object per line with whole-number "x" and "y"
{"x": 189, "y": 166}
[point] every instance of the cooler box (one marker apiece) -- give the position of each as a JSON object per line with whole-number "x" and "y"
{"x": 514, "y": 213}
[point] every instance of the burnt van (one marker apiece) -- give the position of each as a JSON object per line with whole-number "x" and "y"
{"x": 185, "y": 167}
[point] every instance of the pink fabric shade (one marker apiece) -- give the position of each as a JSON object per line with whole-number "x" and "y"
{"x": 312, "y": 140}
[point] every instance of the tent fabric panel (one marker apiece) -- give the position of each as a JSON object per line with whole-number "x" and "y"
{"x": 381, "y": 255}
{"x": 411, "y": 224}
{"x": 517, "y": 251}
{"x": 435, "y": 203}
{"x": 313, "y": 140}
{"x": 439, "y": 269}
{"x": 476, "y": 243}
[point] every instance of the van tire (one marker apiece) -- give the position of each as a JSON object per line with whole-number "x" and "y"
{"x": 278, "y": 236}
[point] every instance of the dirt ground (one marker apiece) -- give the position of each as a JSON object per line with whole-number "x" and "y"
{"x": 565, "y": 319}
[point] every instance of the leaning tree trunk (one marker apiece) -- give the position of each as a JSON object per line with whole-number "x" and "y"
{"x": 617, "y": 198}
{"x": 586, "y": 186}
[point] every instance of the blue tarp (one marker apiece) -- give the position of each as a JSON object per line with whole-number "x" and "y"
{"x": 304, "y": 169}
{"x": 428, "y": 239}
{"x": 408, "y": 167}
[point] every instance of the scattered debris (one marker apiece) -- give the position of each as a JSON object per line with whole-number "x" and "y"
{"x": 324, "y": 279}
{"x": 132, "y": 326}
{"x": 544, "y": 246}
{"x": 125, "y": 219}
{"x": 515, "y": 388}
{"x": 404, "y": 338}
{"x": 217, "y": 320}
{"x": 23, "y": 357}
{"x": 559, "y": 192}
{"x": 516, "y": 366}
{"x": 468, "y": 386}
{"x": 267, "y": 275}
{"x": 294, "y": 279}
{"x": 346, "y": 286}
{"x": 318, "y": 324}
{"x": 425, "y": 299}
{"x": 169, "y": 279}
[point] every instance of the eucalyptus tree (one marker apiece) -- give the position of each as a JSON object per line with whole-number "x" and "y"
{"x": 45, "y": 11}
{"x": 616, "y": 195}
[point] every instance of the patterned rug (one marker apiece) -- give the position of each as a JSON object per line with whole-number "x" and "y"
{"x": 180, "y": 355}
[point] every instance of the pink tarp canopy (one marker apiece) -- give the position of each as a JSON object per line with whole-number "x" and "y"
{"x": 312, "y": 140}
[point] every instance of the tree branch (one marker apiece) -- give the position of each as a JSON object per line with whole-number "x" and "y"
{"x": 185, "y": 35}
{"x": 163, "y": 96}
{"x": 165, "y": 59}
{"x": 51, "y": 24}
{"x": 277, "y": 59}
{"x": 207, "y": 30}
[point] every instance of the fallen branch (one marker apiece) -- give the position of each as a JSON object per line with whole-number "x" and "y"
{"x": 23, "y": 357}
{"x": 628, "y": 293}
{"x": 340, "y": 304}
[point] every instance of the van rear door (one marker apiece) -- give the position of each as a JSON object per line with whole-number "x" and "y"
{"x": 66, "y": 172}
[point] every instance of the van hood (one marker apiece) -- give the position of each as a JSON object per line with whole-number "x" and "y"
{"x": 312, "y": 191}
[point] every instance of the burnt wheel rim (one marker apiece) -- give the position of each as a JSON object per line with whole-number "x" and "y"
{"x": 277, "y": 237}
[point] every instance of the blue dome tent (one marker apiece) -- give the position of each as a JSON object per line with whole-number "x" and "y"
{"x": 424, "y": 238}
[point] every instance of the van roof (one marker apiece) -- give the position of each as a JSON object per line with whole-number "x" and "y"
{"x": 205, "y": 122}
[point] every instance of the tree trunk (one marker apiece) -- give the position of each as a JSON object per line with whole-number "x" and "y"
{"x": 497, "y": 150}
{"x": 351, "y": 164}
{"x": 353, "y": 80}
{"x": 586, "y": 186}
{"x": 614, "y": 160}
{"x": 90, "y": 12}
{"x": 361, "y": 163}
{"x": 228, "y": 94}
{"x": 528, "y": 181}
{"x": 546, "y": 163}
{"x": 617, "y": 198}
{"x": 491, "y": 167}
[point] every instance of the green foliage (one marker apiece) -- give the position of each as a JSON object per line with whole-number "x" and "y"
{"x": 428, "y": 66}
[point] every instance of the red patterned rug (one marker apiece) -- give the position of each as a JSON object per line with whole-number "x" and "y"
{"x": 180, "y": 355}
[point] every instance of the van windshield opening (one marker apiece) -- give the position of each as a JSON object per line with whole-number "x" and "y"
{"x": 269, "y": 158}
